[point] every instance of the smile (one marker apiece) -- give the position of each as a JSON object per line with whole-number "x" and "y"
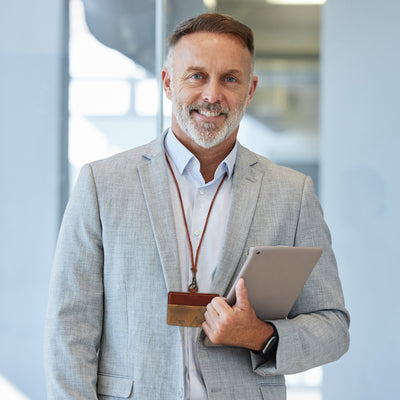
{"x": 208, "y": 113}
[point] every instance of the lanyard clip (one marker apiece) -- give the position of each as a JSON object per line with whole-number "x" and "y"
{"x": 193, "y": 287}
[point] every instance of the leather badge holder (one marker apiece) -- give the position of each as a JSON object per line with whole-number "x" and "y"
{"x": 187, "y": 309}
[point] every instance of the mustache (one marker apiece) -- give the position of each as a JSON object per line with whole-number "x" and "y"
{"x": 212, "y": 107}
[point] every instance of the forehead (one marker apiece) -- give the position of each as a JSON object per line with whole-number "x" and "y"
{"x": 207, "y": 49}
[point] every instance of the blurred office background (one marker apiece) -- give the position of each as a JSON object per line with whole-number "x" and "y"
{"x": 78, "y": 83}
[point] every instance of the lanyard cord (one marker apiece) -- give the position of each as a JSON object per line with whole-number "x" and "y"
{"x": 193, "y": 287}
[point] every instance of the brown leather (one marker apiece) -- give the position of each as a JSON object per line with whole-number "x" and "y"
{"x": 187, "y": 309}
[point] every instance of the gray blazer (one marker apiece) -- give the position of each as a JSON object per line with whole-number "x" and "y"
{"x": 117, "y": 258}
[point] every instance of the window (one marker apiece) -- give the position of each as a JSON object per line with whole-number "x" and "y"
{"x": 113, "y": 100}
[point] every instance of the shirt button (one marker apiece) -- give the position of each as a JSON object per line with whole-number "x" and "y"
{"x": 196, "y": 232}
{"x": 202, "y": 191}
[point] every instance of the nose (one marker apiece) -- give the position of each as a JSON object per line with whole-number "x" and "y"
{"x": 212, "y": 91}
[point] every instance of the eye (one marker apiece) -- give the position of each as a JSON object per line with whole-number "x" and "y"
{"x": 196, "y": 76}
{"x": 230, "y": 79}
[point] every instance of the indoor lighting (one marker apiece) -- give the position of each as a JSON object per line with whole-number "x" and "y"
{"x": 297, "y": 2}
{"x": 210, "y": 4}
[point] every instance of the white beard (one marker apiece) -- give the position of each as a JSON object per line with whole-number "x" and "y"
{"x": 207, "y": 135}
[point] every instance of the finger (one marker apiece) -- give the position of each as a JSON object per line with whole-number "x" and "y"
{"x": 208, "y": 330}
{"x": 209, "y": 324}
{"x": 220, "y": 305}
{"x": 211, "y": 312}
{"x": 205, "y": 325}
{"x": 242, "y": 300}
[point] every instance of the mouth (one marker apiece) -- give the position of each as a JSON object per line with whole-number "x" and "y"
{"x": 209, "y": 113}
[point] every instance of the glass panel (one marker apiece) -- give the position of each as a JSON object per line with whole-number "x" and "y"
{"x": 305, "y": 386}
{"x": 10, "y": 392}
{"x": 282, "y": 120}
{"x": 112, "y": 98}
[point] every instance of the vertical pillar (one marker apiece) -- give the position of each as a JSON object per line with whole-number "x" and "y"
{"x": 360, "y": 188}
{"x": 160, "y": 35}
{"x": 33, "y": 179}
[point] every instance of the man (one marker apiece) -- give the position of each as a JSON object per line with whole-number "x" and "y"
{"x": 180, "y": 214}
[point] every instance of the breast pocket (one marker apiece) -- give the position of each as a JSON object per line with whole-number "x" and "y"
{"x": 114, "y": 387}
{"x": 273, "y": 392}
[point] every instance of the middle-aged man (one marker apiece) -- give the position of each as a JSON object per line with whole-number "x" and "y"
{"x": 135, "y": 229}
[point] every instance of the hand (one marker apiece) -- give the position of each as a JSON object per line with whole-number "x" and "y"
{"x": 237, "y": 325}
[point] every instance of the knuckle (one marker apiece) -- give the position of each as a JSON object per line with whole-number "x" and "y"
{"x": 226, "y": 320}
{"x": 214, "y": 301}
{"x": 221, "y": 329}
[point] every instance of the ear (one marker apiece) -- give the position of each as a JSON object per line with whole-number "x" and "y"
{"x": 166, "y": 80}
{"x": 252, "y": 89}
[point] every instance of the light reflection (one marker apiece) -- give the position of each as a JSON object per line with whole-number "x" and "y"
{"x": 306, "y": 385}
{"x": 99, "y": 97}
{"x": 10, "y": 392}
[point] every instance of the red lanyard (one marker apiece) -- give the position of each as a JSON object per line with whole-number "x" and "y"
{"x": 193, "y": 287}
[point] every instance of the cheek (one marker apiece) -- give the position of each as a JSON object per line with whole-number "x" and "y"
{"x": 185, "y": 93}
{"x": 184, "y": 98}
{"x": 238, "y": 101}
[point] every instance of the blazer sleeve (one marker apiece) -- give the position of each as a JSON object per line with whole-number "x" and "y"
{"x": 75, "y": 307}
{"x": 316, "y": 331}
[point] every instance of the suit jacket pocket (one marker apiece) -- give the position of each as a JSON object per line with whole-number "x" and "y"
{"x": 114, "y": 386}
{"x": 273, "y": 392}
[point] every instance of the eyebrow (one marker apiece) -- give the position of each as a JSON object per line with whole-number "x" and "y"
{"x": 199, "y": 68}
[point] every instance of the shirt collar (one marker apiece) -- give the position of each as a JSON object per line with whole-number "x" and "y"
{"x": 182, "y": 157}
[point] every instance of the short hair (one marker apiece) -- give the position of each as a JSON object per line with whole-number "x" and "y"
{"x": 214, "y": 23}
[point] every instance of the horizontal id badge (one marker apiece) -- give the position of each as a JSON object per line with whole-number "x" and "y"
{"x": 187, "y": 309}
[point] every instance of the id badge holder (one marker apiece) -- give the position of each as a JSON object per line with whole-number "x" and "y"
{"x": 187, "y": 309}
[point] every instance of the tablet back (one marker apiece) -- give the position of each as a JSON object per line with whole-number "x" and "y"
{"x": 274, "y": 277}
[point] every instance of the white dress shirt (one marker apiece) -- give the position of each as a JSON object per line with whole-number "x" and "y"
{"x": 197, "y": 196}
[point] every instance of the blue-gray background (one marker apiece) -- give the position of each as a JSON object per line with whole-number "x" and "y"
{"x": 358, "y": 181}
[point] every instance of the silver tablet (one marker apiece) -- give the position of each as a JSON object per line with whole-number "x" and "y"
{"x": 274, "y": 277}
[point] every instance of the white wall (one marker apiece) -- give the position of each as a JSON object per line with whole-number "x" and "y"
{"x": 32, "y": 133}
{"x": 360, "y": 187}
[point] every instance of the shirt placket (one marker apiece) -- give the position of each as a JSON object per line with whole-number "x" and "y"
{"x": 201, "y": 206}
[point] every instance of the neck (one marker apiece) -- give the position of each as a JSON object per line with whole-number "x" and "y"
{"x": 209, "y": 158}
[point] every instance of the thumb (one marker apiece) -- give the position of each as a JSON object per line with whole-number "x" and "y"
{"x": 242, "y": 300}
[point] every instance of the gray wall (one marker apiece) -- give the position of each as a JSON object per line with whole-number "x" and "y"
{"x": 360, "y": 188}
{"x": 32, "y": 133}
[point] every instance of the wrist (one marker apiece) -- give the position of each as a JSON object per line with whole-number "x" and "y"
{"x": 264, "y": 335}
{"x": 269, "y": 346}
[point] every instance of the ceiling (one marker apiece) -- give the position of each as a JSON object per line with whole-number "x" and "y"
{"x": 283, "y": 31}
{"x": 287, "y": 43}
{"x": 286, "y": 40}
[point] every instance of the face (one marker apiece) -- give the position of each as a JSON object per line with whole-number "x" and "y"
{"x": 209, "y": 81}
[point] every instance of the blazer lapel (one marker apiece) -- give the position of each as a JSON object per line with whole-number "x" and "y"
{"x": 245, "y": 189}
{"x": 154, "y": 179}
